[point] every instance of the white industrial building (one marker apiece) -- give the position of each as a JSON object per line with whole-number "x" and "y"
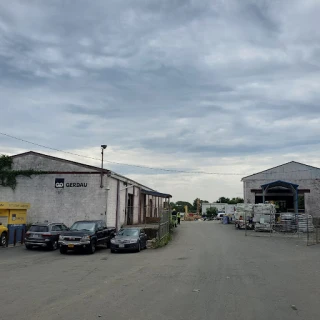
{"x": 221, "y": 207}
{"x": 67, "y": 191}
{"x": 293, "y": 186}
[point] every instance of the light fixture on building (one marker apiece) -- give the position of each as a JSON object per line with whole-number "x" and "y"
{"x": 103, "y": 147}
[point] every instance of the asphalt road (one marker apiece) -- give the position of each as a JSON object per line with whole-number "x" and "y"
{"x": 209, "y": 271}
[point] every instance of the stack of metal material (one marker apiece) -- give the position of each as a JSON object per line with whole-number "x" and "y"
{"x": 243, "y": 209}
{"x": 305, "y": 223}
{"x": 264, "y": 217}
{"x": 288, "y": 222}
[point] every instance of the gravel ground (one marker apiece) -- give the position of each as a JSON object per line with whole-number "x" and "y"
{"x": 209, "y": 271}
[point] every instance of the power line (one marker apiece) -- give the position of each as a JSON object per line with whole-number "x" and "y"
{"x": 147, "y": 167}
{"x": 121, "y": 163}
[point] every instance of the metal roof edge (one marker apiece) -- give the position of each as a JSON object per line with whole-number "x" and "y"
{"x": 113, "y": 174}
{"x": 281, "y": 165}
{"x": 59, "y": 159}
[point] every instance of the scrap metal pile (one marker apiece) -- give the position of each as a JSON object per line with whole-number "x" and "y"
{"x": 264, "y": 217}
{"x": 243, "y": 216}
{"x": 290, "y": 222}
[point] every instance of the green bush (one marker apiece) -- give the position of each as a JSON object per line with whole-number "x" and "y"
{"x": 163, "y": 242}
{"x": 212, "y": 212}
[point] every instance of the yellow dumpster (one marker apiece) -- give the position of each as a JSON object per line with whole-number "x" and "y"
{"x": 13, "y": 216}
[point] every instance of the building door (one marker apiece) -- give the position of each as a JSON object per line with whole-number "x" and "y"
{"x": 130, "y": 209}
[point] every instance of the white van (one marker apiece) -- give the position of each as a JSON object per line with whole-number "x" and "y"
{"x": 220, "y": 215}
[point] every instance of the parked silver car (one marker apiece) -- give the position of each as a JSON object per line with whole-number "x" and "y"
{"x": 45, "y": 235}
{"x": 129, "y": 239}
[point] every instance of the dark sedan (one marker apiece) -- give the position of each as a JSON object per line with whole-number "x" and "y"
{"x": 133, "y": 239}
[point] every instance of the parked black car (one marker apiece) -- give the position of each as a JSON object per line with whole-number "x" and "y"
{"x": 86, "y": 235}
{"x": 129, "y": 239}
{"x": 45, "y": 235}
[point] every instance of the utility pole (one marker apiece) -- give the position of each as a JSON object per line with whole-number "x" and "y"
{"x": 103, "y": 147}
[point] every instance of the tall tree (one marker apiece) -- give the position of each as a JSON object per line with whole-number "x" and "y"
{"x": 211, "y": 212}
{"x": 230, "y": 201}
{"x": 223, "y": 200}
{"x": 180, "y": 206}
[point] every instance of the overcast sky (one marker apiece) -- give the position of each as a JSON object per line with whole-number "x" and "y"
{"x": 220, "y": 86}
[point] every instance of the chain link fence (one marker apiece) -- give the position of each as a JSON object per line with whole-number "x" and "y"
{"x": 155, "y": 220}
{"x": 164, "y": 223}
{"x": 303, "y": 228}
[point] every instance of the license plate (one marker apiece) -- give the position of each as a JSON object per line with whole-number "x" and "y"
{"x": 121, "y": 245}
{"x": 35, "y": 236}
{"x": 70, "y": 245}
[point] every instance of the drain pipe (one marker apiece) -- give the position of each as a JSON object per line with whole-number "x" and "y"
{"x": 107, "y": 202}
{"x": 117, "y": 207}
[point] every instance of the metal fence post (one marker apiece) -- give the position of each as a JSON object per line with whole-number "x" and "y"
{"x": 270, "y": 225}
{"x": 307, "y": 229}
{"x": 160, "y": 235}
{"x": 245, "y": 222}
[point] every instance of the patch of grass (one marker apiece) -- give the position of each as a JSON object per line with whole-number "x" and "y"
{"x": 163, "y": 242}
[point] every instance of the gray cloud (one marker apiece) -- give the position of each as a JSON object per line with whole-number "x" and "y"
{"x": 219, "y": 79}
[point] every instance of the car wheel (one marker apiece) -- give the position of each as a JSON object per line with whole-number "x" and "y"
{"x": 28, "y": 247}
{"x": 139, "y": 247}
{"x": 92, "y": 248}
{"x": 3, "y": 240}
{"x": 54, "y": 245}
{"x": 63, "y": 250}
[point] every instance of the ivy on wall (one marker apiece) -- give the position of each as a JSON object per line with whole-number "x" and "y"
{"x": 8, "y": 177}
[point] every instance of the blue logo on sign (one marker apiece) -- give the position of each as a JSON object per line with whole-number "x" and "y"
{"x": 59, "y": 183}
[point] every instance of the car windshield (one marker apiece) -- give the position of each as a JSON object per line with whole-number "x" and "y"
{"x": 128, "y": 233}
{"x": 83, "y": 226}
{"x": 39, "y": 229}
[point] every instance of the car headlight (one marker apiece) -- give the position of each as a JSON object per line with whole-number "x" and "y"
{"x": 61, "y": 237}
{"x": 113, "y": 241}
{"x": 133, "y": 241}
{"x": 85, "y": 238}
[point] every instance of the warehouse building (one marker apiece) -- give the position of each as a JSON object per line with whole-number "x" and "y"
{"x": 66, "y": 191}
{"x": 293, "y": 187}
